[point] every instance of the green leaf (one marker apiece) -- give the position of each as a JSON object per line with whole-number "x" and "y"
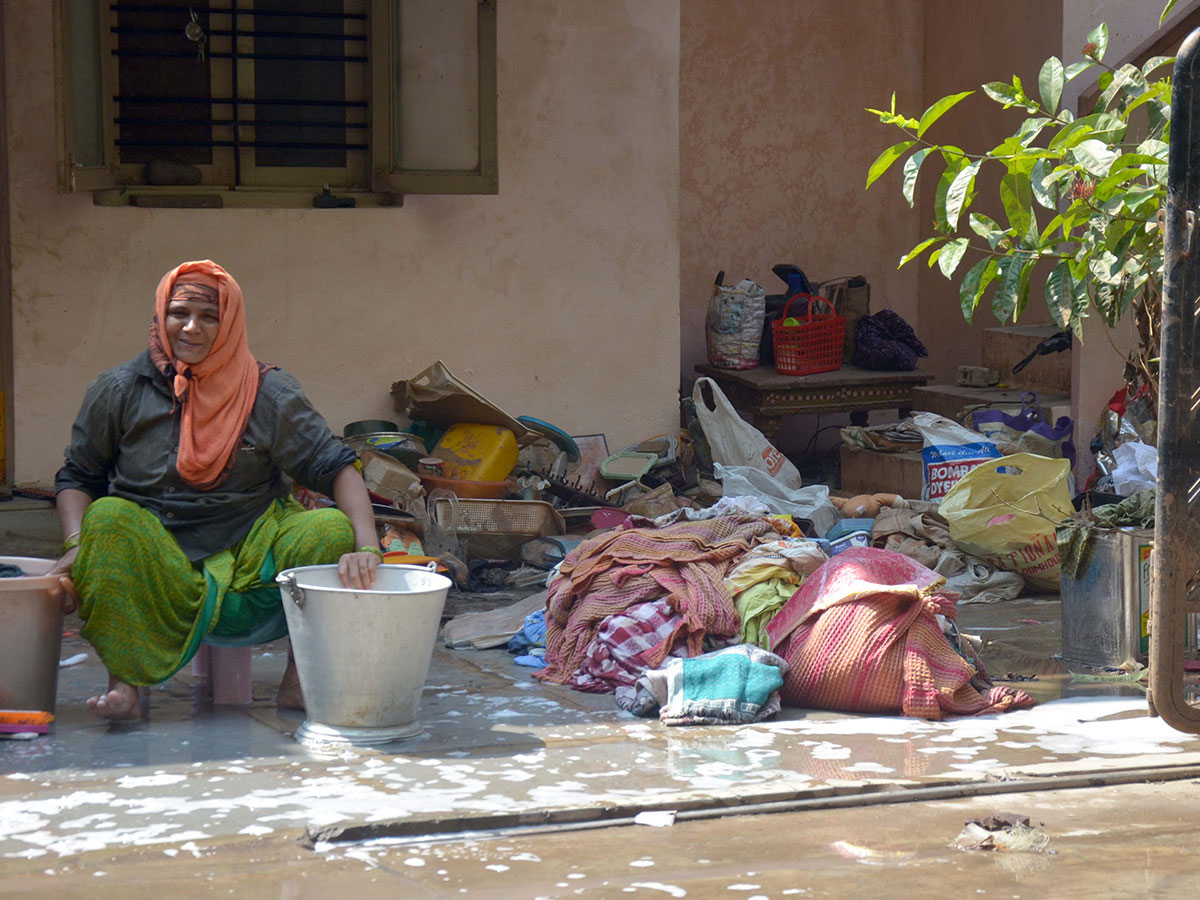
{"x": 1077, "y": 68}
{"x": 1008, "y": 281}
{"x": 933, "y": 257}
{"x": 918, "y": 250}
{"x": 952, "y": 255}
{"x": 1155, "y": 62}
{"x": 1059, "y": 285}
{"x": 938, "y": 109}
{"x": 1127, "y": 79}
{"x": 1099, "y": 37}
{"x": 885, "y": 159}
{"x": 973, "y": 286}
{"x": 1094, "y": 156}
{"x": 1045, "y": 187}
{"x": 1099, "y": 126}
{"x": 912, "y": 166}
{"x": 987, "y": 228}
{"x": 1079, "y": 306}
{"x": 958, "y": 191}
{"x": 1023, "y": 288}
{"x": 954, "y": 165}
{"x": 1030, "y": 129}
{"x": 1016, "y": 194}
{"x": 1166, "y": 12}
{"x": 1001, "y": 92}
{"x": 1050, "y": 83}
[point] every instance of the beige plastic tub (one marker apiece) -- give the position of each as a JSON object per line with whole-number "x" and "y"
{"x": 31, "y": 623}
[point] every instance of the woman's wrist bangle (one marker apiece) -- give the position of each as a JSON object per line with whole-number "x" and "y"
{"x": 366, "y": 548}
{"x": 71, "y": 542}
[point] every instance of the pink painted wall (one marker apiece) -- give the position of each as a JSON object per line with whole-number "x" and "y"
{"x": 775, "y": 146}
{"x": 992, "y": 43}
{"x": 557, "y": 298}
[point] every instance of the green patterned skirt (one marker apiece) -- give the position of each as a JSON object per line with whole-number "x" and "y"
{"x": 146, "y": 607}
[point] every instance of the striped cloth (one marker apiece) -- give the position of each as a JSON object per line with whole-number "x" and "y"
{"x": 611, "y": 572}
{"x": 861, "y": 635}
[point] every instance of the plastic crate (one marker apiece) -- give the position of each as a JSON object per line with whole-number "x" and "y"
{"x": 815, "y": 345}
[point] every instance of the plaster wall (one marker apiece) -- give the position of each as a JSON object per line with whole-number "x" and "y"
{"x": 967, "y": 44}
{"x": 775, "y": 146}
{"x": 557, "y": 298}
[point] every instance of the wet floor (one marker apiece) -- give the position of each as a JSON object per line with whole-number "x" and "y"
{"x": 218, "y": 785}
{"x": 1107, "y": 842}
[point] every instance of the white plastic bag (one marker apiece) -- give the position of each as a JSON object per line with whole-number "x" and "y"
{"x": 734, "y": 441}
{"x": 1137, "y": 468}
{"x": 810, "y": 502}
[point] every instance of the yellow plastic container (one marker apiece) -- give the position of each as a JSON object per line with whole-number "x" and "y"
{"x": 477, "y": 452}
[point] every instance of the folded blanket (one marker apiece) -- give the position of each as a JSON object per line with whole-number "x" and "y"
{"x": 728, "y": 687}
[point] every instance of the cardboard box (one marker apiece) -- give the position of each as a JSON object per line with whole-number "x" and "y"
{"x": 870, "y": 471}
{"x": 389, "y": 477}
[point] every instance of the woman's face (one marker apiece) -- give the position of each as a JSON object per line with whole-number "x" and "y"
{"x": 192, "y": 326}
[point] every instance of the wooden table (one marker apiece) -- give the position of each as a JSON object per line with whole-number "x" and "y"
{"x": 769, "y": 396}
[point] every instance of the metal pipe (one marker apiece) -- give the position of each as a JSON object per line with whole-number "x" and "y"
{"x": 509, "y": 825}
{"x": 1177, "y": 512}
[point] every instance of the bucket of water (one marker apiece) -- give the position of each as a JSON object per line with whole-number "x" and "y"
{"x": 362, "y": 655}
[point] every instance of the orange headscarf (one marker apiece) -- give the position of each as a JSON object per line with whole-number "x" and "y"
{"x": 217, "y": 393}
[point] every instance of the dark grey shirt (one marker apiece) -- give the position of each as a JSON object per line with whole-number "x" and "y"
{"x": 125, "y": 441}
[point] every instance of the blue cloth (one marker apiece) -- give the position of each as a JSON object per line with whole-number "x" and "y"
{"x": 532, "y": 633}
{"x": 533, "y": 662}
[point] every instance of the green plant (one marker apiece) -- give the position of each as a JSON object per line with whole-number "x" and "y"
{"x": 1080, "y": 198}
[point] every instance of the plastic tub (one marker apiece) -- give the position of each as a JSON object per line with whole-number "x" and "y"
{"x": 31, "y": 623}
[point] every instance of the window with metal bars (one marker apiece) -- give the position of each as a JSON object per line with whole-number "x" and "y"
{"x": 276, "y": 96}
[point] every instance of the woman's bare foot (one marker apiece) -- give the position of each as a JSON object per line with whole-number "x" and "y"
{"x": 121, "y": 703}
{"x": 290, "y": 696}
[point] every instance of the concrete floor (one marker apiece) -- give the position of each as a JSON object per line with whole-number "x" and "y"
{"x": 202, "y": 800}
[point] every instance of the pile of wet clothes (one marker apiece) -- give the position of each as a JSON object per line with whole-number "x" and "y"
{"x": 720, "y": 620}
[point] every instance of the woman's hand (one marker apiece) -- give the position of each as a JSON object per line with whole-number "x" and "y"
{"x": 62, "y": 569}
{"x": 357, "y": 569}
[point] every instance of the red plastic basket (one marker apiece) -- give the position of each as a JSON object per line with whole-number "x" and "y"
{"x": 815, "y": 345}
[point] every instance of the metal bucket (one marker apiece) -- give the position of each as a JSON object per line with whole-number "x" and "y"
{"x": 362, "y": 656}
{"x": 31, "y": 624}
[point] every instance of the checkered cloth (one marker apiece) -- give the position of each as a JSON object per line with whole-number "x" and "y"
{"x": 616, "y": 655}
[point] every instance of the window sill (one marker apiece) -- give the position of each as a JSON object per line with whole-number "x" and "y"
{"x": 201, "y": 197}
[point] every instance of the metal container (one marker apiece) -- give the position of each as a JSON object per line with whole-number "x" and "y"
{"x": 31, "y": 623}
{"x": 1106, "y": 610}
{"x": 362, "y": 656}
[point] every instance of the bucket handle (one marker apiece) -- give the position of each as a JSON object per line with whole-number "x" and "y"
{"x": 288, "y": 580}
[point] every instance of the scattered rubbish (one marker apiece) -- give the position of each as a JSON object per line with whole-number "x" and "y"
{"x": 655, "y": 818}
{"x": 72, "y": 660}
{"x": 1007, "y": 832}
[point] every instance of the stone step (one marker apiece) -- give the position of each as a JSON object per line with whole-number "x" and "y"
{"x": 951, "y": 401}
{"x": 29, "y": 528}
{"x": 1005, "y": 346}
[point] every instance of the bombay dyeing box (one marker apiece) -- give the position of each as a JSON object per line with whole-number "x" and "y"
{"x": 1106, "y": 610}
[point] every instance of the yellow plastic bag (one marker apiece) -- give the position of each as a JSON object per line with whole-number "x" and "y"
{"x": 1005, "y": 511}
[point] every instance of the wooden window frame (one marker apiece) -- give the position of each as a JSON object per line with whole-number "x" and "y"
{"x": 383, "y": 184}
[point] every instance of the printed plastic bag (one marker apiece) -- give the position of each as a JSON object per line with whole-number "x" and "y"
{"x": 810, "y": 502}
{"x": 950, "y": 452}
{"x": 1005, "y": 511}
{"x": 734, "y": 325}
{"x": 735, "y": 442}
{"x": 1027, "y": 430}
